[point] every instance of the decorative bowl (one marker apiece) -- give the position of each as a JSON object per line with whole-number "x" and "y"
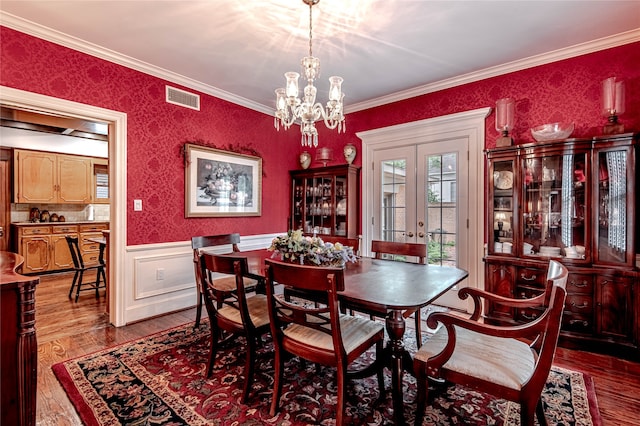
{"x": 553, "y": 131}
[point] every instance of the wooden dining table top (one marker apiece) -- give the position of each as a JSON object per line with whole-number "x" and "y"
{"x": 385, "y": 284}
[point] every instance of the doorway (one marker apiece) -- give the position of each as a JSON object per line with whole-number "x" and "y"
{"x": 425, "y": 184}
{"x": 116, "y": 121}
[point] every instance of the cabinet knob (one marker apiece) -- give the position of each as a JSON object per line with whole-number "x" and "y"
{"x": 410, "y": 234}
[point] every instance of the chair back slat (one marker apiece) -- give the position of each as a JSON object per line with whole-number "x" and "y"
{"x": 403, "y": 249}
{"x": 76, "y": 255}
{"x": 354, "y": 243}
{"x": 318, "y": 283}
{"x": 216, "y": 240}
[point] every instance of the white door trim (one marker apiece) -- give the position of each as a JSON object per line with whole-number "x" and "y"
{"x": 118, "y": 181}
{"x": 469, "y": 124}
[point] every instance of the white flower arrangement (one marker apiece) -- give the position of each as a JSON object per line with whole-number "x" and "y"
{"x": 296, "y": 247}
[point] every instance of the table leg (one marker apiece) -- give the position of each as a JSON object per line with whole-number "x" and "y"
{"x": 395, "y": 327}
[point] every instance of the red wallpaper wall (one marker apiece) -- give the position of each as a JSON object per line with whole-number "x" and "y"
{"x": 156, "y": 133}
{"x": 567, "y": 90}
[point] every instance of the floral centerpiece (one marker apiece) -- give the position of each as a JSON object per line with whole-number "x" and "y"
{"x": 296, "y": 247}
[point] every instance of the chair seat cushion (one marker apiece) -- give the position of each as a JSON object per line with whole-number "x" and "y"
{"x": 223, "y": 282}
{"x": 258, "y": 311}
{"x": 355, "y": 331}
{"x": 508, "y": 362}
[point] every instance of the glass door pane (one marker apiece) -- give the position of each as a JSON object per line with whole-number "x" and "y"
{"x": 612, "y": 206}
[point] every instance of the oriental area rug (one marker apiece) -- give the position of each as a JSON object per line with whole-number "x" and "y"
{"x": 160, "y": 380}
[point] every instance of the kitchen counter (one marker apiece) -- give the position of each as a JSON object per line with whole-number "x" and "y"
{"x": 44, "y": 245}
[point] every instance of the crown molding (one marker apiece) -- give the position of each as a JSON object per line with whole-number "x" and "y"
{"x": 37, "y": 30}
{"x": 57, "y": 37}
{"x": 627, "y": 37}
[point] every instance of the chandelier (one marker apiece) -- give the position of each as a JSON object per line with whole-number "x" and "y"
{"x": 289, "y": 107}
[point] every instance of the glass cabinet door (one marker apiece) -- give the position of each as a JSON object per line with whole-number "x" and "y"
{"x": 554, "y": 207}
{"x": 614, "y": 207}
{"x": 503, "y": 207}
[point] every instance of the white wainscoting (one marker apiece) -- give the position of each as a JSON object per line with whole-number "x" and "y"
{"x": 146, "y": 296}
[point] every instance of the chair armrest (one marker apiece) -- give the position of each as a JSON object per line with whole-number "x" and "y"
{"x": 478, "y": 295}
{"x": 514, "y": 331}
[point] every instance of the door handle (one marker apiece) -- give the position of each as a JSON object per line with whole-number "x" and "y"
{"x": 410, "y": 234}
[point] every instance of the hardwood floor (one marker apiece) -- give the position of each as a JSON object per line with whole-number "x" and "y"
{"x": 66, "y": 329}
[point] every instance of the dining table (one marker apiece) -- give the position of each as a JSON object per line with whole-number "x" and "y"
{"x": 384, "y": 286}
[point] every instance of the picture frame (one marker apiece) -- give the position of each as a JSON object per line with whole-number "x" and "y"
{"x": 221, "y": 183}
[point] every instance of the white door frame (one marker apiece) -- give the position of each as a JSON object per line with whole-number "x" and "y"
{"x": 469, "y": 124}
{"x": 118, "y": 181}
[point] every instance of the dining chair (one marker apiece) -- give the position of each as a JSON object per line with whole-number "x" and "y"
{"x": 318, "y": 333}
{"x": 400, "y": 251}
{"x": 349, "y": 242}
{"x": 80, "y": 268}
{"x": 232, "y": 309}
{"x": 202, "y": 242}
{"x": 510, "y": 362}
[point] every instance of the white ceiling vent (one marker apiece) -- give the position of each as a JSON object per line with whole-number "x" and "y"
{"x": 182, "y": 98}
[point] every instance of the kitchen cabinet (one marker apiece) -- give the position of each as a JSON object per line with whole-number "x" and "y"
{"x": 44, "y": 177}
{"x": 90, "y": 250}
{"x": 575, "y": 201}
{"x": 44, "y": 246}
{"x": 325, "y": 200}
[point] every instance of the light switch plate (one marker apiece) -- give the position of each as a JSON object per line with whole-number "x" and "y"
{"x": 137, "y": 205}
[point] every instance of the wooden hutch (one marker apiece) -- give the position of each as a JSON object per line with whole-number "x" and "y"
{"x": 575, "y": 201}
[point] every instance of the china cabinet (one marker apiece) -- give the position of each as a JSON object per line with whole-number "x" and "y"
{"x": 325, "y": 200}
{"x": 572, "y": 200}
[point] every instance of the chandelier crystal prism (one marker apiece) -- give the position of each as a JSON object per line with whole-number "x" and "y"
{"x": 289, "y": 107}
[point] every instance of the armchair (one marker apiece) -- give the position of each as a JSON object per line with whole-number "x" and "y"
{"x": 510, "y": 362}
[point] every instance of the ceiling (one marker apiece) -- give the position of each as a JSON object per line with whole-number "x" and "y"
{"x": 385, "y": 50}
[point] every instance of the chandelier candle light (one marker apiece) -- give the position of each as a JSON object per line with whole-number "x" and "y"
{"x": 290, "y": 108}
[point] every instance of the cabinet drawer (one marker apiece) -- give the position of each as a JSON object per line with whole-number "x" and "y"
{"x": 64, "y": 229}
{"x": 528, "y": 314}
{"x": 522, "y": 292}
{"x": 90, "y": 258}
{"x": 577, "y": 323}
{"x": 579, "y": 303}
{"x": 531, "y": 277}
{"x": 36, "y": 230}
{"x": 580, "y": 283}
{"x": 94, "y": 227}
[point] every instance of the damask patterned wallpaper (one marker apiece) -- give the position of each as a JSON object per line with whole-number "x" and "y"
{"x": 157, "y": 132}
{"x": 567, "y": 90}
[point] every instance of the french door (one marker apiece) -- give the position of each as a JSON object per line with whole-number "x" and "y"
{"x": 421, "y": 195}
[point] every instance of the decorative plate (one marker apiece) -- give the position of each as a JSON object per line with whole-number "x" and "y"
{"x": 503, "y": 179}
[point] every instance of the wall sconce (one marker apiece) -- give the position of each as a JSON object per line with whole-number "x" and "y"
{"x": 505, "y": 117}
{"x": 612, "y": 105}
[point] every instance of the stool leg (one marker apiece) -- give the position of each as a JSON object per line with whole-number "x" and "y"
{"x": 73, "y": 283}
{"x": 80, "y": 280}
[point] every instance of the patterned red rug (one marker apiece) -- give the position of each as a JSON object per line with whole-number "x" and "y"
{"x": 160, "y": 379}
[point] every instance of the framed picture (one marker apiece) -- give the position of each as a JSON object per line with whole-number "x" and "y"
{"x": 221, "y": 183}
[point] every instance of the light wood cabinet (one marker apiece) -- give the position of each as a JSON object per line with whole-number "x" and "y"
{"x": 45, "y": 249}
{"x": 44, "y": 177}
{"x": 90, "y": 250}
